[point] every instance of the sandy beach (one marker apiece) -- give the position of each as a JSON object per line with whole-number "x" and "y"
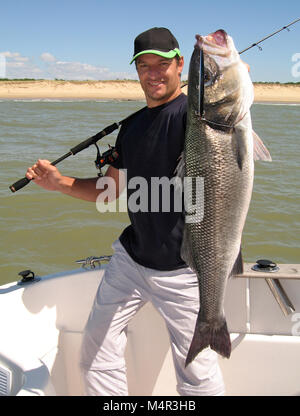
{"x": 123, "y": 90}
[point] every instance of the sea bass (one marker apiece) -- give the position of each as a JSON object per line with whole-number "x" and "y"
{"x": 219, "y": 149}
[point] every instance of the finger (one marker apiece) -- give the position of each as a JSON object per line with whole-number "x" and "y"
{"x": 30, "y": 174}
{"x": 36, "y": 172}
{"x": 39, "y": 172}
{"x": 43, "y": 164}
{"x": 246, "y": 65}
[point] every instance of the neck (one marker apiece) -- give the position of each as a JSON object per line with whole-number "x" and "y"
{"x": 151, "y": 103}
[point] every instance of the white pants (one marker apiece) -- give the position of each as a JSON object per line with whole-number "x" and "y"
{"x": 126, "y": 286}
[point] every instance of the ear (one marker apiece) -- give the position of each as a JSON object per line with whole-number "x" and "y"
{"x": 180, "y": 64}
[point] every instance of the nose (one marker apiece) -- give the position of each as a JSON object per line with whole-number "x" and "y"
{"x": 153, "y": 72}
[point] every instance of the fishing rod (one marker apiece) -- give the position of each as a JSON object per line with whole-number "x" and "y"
{"x": 107, "y": 157}
{"x": 269, "y": 36}
{"x": 81, "y": 146}
{"x": 244, "y": 50}
{"x": 111, "y": 154}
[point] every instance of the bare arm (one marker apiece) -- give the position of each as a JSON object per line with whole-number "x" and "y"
{"x": 49, "y": 177}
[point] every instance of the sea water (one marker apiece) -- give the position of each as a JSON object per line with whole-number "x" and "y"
{"x": 47, "y": 232}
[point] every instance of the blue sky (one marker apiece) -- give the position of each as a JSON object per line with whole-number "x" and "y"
{"x": 93, "y": 39}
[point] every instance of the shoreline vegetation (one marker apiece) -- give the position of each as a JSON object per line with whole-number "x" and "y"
{"x": 127, "y": 90}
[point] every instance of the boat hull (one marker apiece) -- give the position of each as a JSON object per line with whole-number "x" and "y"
{"x": 42, "y": 325}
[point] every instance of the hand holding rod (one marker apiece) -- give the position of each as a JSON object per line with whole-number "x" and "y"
{"x": 76, "y": 149}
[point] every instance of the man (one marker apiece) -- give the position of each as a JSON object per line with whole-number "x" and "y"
{"x": 146, "y": 265}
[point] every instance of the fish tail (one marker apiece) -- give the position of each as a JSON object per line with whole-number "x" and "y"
{"x": 217, "y": 337}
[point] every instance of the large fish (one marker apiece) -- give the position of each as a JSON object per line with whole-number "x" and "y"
{"x": 219, "y": 149}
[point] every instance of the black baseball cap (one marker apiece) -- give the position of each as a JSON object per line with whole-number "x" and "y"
{"x": 159, "y": 41}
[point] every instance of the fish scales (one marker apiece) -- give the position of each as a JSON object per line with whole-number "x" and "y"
{"x": 218, "y": 148}
{"x": 212, "y": 158}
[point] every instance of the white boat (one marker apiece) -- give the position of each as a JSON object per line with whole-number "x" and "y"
{"x": 42, "y": 322}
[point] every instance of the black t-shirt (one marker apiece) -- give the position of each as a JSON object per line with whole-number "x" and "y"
{"x": 149, "y": 145}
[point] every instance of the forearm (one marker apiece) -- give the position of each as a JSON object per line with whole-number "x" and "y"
{"x": 48, "y": 177}
{"x": 84, "y": 189}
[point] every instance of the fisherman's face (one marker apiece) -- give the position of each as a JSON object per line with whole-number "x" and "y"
{"x": 159, "y": 77}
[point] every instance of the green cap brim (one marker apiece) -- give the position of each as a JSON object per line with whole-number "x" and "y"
{"x": 169, "y": 55}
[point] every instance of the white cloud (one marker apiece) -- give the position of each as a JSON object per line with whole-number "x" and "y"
{"x": 49, "y": 67}
{"x": 79, "y": 71}
{"x": 9, "y": 54}
{"x": 15, "y": 56}
{"x": 48, "y": 57}
{"x": 15, "y": 64}
{"x": 18, "y": 66}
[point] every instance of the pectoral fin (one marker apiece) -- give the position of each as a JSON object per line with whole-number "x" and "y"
{"x": 239, "y": 145}
{"x": 260, "y": 152}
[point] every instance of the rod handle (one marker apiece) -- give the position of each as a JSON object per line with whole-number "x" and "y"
{"x": 19, "y": 184}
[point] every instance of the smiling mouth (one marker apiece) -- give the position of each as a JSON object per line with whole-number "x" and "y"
{"x": 155, "y": 84}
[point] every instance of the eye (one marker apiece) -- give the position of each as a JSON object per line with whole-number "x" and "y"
{"x": 207, "y": 77}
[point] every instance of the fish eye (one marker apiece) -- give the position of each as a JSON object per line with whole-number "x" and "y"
{"x": 207, "y": 77}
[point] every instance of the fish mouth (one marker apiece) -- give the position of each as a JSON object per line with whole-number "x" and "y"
{"x": 215, "y": 43}
{"x": 219, "y": 38}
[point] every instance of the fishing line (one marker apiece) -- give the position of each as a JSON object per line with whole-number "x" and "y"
{"x": 201, "y": 66}
{"x": 263, "y": 39}
{"x": 269, "y": 36}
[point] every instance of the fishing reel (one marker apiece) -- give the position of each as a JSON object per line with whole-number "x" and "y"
{"x": 105, "y": 158}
